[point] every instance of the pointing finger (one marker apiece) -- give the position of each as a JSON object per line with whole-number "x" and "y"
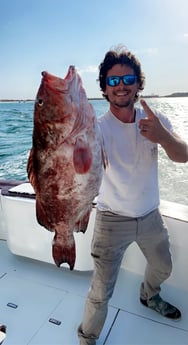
{"x": 147, "y": 109}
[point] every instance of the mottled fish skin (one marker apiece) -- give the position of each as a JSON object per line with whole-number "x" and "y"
{"x": 66, "y": 160}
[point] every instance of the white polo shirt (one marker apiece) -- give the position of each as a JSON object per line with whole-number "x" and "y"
{"x": 130, "y": 182}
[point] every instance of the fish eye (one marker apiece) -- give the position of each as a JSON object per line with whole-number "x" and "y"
{"x": 40, "y": 102}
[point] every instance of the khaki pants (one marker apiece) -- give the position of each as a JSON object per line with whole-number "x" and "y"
{"x": 112, "y": 235}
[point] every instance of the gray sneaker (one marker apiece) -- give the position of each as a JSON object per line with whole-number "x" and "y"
{"x": 2, "y": 333}
{"x": 160, "y": 306}
{"x": 84, "y": 340}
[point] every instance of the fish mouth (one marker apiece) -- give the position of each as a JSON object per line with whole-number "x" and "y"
{"x": 47, "y": 76}
{"x": 55, "y": 83}
{"x": 59, "y": 83}
{"x": 70, "y": 73}
{"x": 49, "y": 79}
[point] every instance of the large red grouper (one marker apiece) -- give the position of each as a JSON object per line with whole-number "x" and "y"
{"x": 66, "y": 160}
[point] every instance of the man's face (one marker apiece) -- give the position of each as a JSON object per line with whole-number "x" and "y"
{"x": 121, "y": 95}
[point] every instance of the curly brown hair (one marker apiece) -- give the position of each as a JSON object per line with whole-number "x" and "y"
{"x": 120, "y": 55}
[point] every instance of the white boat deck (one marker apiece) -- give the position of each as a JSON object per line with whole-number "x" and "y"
{"x": 33, "y": 292}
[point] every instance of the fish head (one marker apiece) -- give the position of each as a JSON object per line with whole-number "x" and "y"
{"x": 58, "y": 100}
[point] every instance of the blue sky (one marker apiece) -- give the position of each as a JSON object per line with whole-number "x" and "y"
{"x": 37, "y": 35}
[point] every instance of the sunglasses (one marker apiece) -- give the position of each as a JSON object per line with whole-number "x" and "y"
{"x": 127, "y": 79}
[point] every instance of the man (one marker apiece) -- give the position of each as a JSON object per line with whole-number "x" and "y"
{"x": 128, "y": 201}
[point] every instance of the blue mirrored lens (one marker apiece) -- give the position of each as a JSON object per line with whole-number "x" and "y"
{"x": 113, "y": 81}
{"x": 128, "y": 79}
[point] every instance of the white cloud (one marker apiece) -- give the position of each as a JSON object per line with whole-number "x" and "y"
{"x": 88, "y": 69}
{"x": 147, "y": 51}
{"x": 185, "y": 35}
{"x": 151, "y": 51}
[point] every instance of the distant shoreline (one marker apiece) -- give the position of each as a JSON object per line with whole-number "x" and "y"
{"x": 175, "y": 94}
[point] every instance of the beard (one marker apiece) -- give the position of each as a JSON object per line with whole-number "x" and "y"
{"x": 122, "y": 104}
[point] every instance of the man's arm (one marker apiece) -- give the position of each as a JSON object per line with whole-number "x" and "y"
{"x": 152, "y": 128}
{"x": 175, "y": 147}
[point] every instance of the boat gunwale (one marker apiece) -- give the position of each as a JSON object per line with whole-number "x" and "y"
{"x": 168, "y": 209}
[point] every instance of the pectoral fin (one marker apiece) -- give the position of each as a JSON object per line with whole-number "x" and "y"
{"x": 82, "y": 156}
{"x": 82, "y": 224}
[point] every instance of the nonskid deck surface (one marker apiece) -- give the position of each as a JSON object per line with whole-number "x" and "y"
{"x": 33, "y": 293}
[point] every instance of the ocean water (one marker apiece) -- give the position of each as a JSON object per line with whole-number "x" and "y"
{"x": 16, "y": 125}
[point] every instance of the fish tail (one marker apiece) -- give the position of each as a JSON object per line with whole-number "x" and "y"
{"x": 64, "y": 253}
